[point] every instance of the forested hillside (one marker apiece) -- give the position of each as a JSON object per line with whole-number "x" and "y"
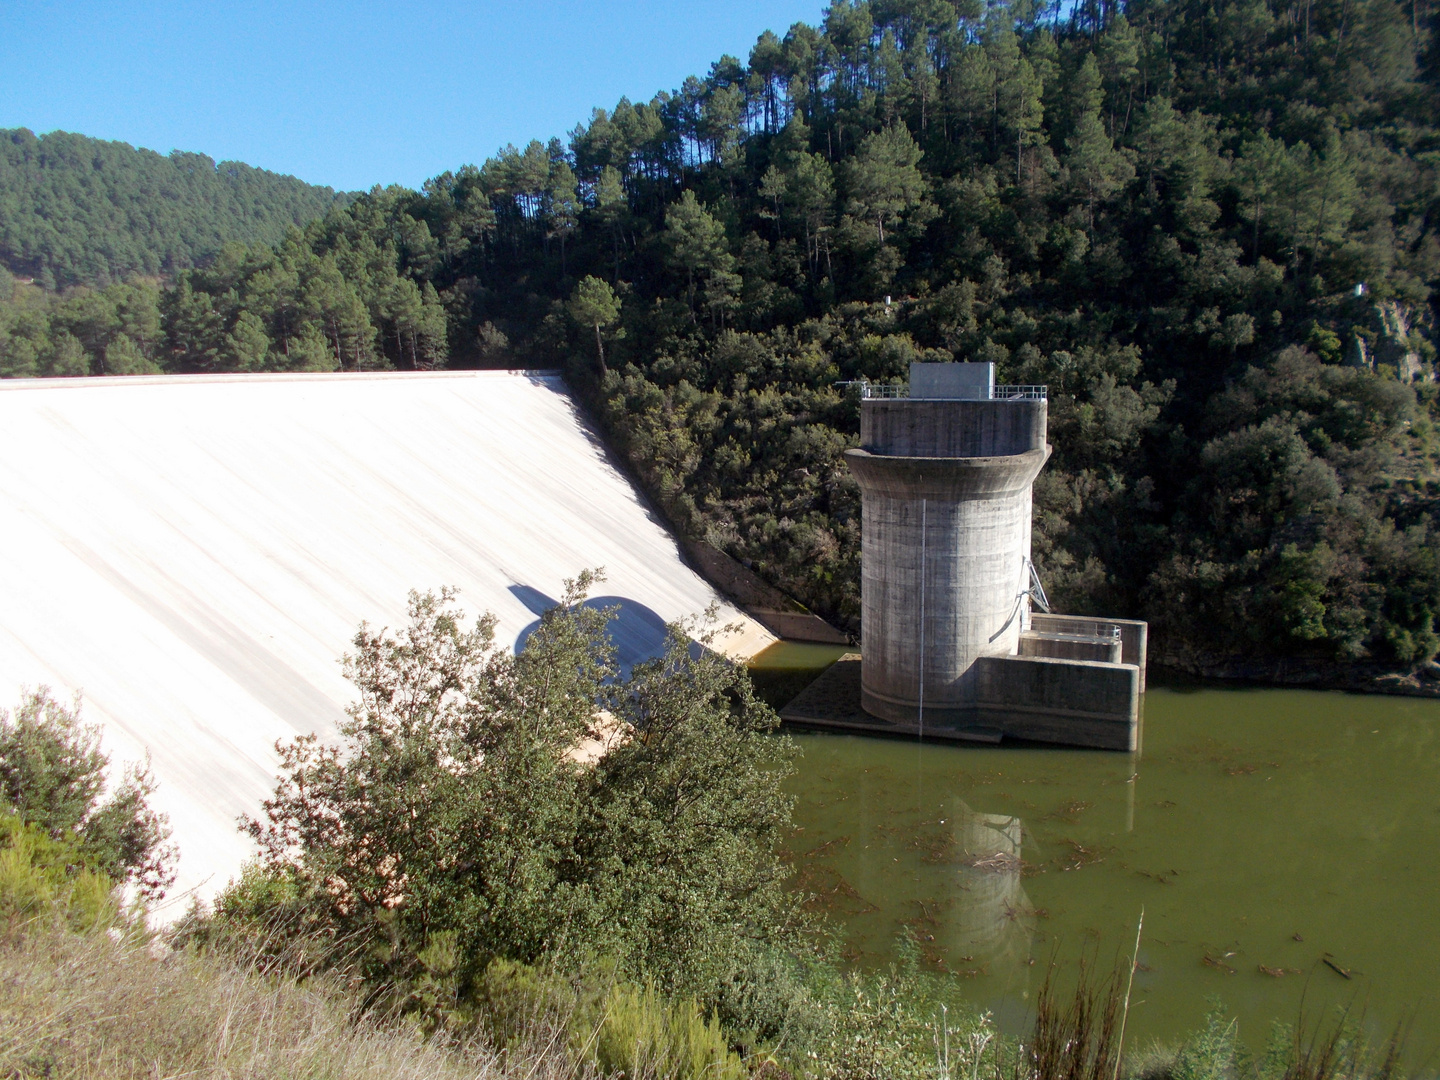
{"x": 1209, "y": 229}
{"x": 76, "y": 210}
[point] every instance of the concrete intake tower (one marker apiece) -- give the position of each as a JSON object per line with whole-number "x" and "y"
{"x": 950, "y": 645}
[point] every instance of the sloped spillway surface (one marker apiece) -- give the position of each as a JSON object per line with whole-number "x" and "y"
{"x": 193, "y": 555}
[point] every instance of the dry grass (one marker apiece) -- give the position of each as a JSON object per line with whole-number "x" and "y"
{"x": 74, "y": 1006}
{"x": 1076, "y": 1039}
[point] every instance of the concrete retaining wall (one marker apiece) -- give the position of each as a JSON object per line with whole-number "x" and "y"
{"x": 1076, "y": 702}
{"x": 1070, "y": 647}
{"x": 1069, "y": 702}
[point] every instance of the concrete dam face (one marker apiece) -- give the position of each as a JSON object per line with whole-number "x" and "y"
{"x": 194, "y": 554}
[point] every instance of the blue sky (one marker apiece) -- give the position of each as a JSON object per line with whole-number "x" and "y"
{"x": 355, "y": 94}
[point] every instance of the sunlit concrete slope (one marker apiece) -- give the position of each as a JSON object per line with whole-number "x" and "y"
{"x": 194, "y": 554}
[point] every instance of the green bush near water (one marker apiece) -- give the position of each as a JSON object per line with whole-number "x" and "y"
{"x": 661, "y": 857}
{"x": 643, "y": 1033}
{"x": 618, "y": 1028}
{"x": 1338, "y": 1050}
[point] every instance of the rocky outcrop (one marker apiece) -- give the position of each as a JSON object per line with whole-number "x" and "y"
{"x": 1394, "y": 346}
{"x": 1390, "y": 342}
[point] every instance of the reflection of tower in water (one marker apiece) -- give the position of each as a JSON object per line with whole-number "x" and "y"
{"x": 990, "y": 919}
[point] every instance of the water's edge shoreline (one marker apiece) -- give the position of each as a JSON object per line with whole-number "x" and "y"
{"x": 1420, "y": 681}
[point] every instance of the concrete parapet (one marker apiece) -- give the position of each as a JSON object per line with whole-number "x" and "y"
{"x": 1076, "y": 702}
{"x": 1070, "y": 646}
{"x": 970, "y": 382}
{"x": 1134, "y": 634}
{"x": 902, "y": 476}
{"x": 951, "y": 429}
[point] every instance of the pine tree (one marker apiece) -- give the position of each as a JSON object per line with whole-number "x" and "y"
{"x": 563, "y": 207}
{"x": 883, "y": 182}
{"x": 1097, "y": 169}
{"x": 594, "y": 304}
{"x": 696, "y": 241}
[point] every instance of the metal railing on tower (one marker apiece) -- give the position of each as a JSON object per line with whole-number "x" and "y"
{"x": 872, "y": 390}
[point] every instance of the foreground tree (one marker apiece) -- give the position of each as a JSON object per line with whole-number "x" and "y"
{"x": 451, "y": 827}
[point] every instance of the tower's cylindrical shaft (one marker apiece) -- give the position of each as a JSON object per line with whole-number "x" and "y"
{"x": 946, "y": 484}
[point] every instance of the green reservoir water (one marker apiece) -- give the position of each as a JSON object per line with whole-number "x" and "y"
{"x": 1263, "y": 831}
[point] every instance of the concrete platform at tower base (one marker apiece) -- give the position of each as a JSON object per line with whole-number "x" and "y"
{"x": 1079, "y": 703}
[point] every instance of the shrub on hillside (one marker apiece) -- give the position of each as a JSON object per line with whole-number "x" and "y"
{"x": 46, "y": 880}
{"x": 619, "y": 1028}
{"x": 53, "y": 777}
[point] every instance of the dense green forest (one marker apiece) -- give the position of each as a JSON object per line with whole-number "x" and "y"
{"x": 1209, "y": 228}
{"x": 79, "y": 210}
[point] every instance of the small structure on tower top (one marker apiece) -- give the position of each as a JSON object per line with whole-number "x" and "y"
{"x": 952, "y": 645}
